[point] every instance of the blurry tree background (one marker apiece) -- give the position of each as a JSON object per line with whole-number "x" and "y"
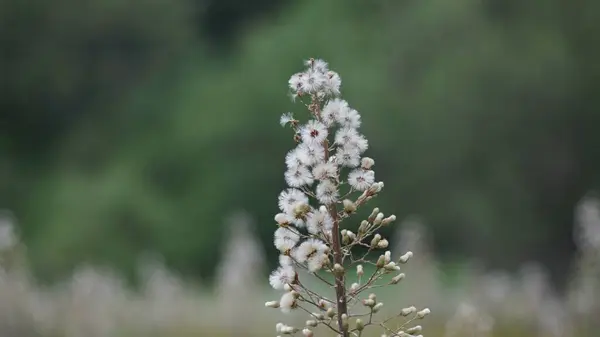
{"x": 137, "y": 125}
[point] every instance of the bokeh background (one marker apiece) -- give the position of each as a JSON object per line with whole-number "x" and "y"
{"x": 143, "y": 135}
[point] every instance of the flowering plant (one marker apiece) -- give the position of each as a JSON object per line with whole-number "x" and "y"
{"x": 329, "y": 180}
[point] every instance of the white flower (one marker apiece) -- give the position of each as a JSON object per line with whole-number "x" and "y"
{"x": 317, "y": 65}
{"x": 292, "y": 159}
{"x": 285, "y": 239}
{"x": 291, "y": 198}
{"x": 312, "y": 81}
{"x": 287, "y": 302}
{"x": 327, "y": 192}
{"x": 309, "y": 248}
{"x": 316, "y": 262}
{"x": 282, "y": 276}
{"x": 348, "y": 156}
{"x": 324, "y": 171}
{"x": 319, "y": 222}
{"x": 314, "y": 252}
{"x": 295, "y": 82}
{"x": 286, "y": 118}
{"x": 310, "y": 153}
{"x": 349, "y": 118}
{"x": 298, "y": 176}
{"x": 285, "y": 260}
{"x": 361, "y": 179}
{"x": 333, "y": 83}
{"x": 349, "y": 137}
{"x": 313, "y": 132}
{"x": 332, "y": 110}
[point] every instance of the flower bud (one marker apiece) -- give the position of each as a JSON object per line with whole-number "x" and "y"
{"x": 375, "y": 188}
{"x": 301, "y": 210}
{"x": 338, "y": 269}
{"x": 377, "y": 307}
{"x": 368, "y": 303}
{"x": 380, "y": 262}
{"x": 383, "y": 244}
{"x": 423, "y": 313}
{"x": 323, "y": 304}
{"x": 312, "y": 323}
{"x": 330, "y": 313}
{"x": 414, "y": 329}
{"x": 373, "y": 214}
{"x": 359, "y": 270}
{"x": 391, "y": 266}
{"x": 318, "y": 316}
{"x": 407, "y": 311}
{"x": 388, "y": 256}
{"x": 404, "y": 258}
{"x": 354, "y": 287}
{"x": 307, "y": 333}
{"x": 272, "y": 304}
{"x": 345, "y": 321}
{"x": 397, "y": 278}
{"x": 373, "y": 297}
{"x": 366, "y": 163}
{"x": 388, "y": 220}
{"x": 345, "y": 237}
{"x": 364, "y": 226}
{"x": 375, "y": 240}
{"x": 349, "y": 206}
{"x": 360, "y": 325}
{"x": 378, "y": 219}
{"x": 282, "y": 219}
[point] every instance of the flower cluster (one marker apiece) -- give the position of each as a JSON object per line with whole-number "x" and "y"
{"x": 328, "y": 179}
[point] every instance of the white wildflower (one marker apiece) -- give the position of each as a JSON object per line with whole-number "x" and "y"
{"x": 312, "y": 251}
{"x": 282, "y": 276}
{"x": 349, "y": 137}
{"x": 319, "y": 222}
{"x": 333, "y": 83}
{"x": 327, "y": 192}
{"x": 310, "y": 153}
{"x": 285, "y": 260}
{"x": 333, "y": 110}
{"x": 292, "y": 159}
{"x": 298, "y": 176}
{"x": 317, "y": 65}
{"x": 291, "y": 198}
{"x": 324, "y": 171}
{"x": 316, "y": 262}
{"x": 348, "y": 156}
{"x": 295, "y": 82}
{"x": 286, "y": 118}
{"x": 287, "y": 302}
{"x": 285, "y": 239}
{"x": 313, "y": 81}
{"x": 313, "y": 132}
{"x": 349, "y": 118}
{"x": 361, "y": 179}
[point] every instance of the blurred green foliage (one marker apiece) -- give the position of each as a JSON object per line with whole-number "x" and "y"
{"x": 127, "y": 126}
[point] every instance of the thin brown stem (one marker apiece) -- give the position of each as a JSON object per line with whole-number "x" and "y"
{"x": 340, "y": 282}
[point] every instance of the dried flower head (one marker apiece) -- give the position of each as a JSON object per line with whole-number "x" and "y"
{"x": 328, "y": 180}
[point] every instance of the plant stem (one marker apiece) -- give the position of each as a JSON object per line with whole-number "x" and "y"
{"x": 340, "y": 282}
{"x": 338, "y": 257}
